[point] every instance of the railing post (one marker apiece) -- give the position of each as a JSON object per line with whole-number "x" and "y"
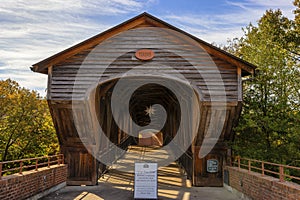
{"x": 63, "y": 159}
{"x": 281, "y": 173}
{"x": 232, "y": 161}
{"x": 249, "y": 165}
{"x": 58, "y": 159}
{"x": 48, "y": 162}
{"x": 239, "y": 162}
{"x": 21, "y": 167}
{"x": 36, "y": 164}
{"x": 0, "y": 170}
{"x": 262, "y": 168}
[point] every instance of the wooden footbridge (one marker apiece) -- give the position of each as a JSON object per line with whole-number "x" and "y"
{"x": 197, "y": 86}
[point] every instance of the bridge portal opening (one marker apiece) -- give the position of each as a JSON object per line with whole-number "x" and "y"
{"x": 142, "y": 112}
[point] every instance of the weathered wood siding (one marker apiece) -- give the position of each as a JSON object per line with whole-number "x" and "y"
{"x": 171, "y": 51}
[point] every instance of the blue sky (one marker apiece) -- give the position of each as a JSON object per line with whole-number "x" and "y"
{"x": 31, "y": 30}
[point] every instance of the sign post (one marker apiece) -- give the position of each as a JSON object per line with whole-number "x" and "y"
{"x": 145, "y": 181}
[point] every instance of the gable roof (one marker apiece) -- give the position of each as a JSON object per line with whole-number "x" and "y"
{"x": 142, "y": 19}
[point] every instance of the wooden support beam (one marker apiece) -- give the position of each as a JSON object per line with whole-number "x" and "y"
{"x": 50, "y": 69}
{"x": 240, "y": 86}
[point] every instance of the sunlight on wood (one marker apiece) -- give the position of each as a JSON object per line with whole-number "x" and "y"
{"x": 186, "y": 196}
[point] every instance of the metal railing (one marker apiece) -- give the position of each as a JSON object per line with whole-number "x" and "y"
{"x": 265, "y": 168}
{"x": 19, "y": 166}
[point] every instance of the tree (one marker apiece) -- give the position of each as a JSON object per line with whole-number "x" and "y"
{"x": 269, "y": 127}
{"x": 26, "y": 128}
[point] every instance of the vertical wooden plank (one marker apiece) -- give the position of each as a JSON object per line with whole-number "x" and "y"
{"x": 240, "y": 86}
{"x": 50, "y": 69}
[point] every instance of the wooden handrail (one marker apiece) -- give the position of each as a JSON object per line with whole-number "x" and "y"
{"x": 250, "y": 166}
{"x": 59, "y": 159}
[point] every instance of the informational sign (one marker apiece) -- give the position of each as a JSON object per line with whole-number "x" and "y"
{"x": 145, "y": 181}
{"x": 212, "y": 166}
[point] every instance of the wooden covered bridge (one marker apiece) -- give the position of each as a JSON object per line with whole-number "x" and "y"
{"x": 207, "y": 98}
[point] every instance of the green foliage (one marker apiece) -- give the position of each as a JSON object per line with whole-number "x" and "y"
{"x": 269, "y": 128}
{"x": 26, "y": 128}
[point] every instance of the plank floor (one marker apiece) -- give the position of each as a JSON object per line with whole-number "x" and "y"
{"x": 118, "y": 185}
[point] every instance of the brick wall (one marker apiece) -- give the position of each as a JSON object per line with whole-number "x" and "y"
{"x": 30, "y": 183}
{"x": 258, "y": 187}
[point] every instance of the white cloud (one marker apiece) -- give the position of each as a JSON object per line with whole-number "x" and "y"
{"x": 215, "y": 36}
{"x": 286, "y": 6}
{"x": 218, "y": 28}
{"x": 272, "y": 3}
{"x": 33, "y": 30}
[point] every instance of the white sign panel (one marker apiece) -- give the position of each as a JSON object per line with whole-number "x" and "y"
{"x": 145, "y": 181}
{"x": 212, "y": 166}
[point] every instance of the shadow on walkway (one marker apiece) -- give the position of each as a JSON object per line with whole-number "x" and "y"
{"x": 118, "y": 185}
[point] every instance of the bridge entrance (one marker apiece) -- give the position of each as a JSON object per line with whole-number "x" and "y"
{"x": 190, "y": 99}
{"x": 157, "y": 137}
{"x": 119, "y": 185}
{"x": 172, "y": 179}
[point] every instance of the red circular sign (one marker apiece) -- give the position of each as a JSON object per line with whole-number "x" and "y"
{"x": 144, "y": 54}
